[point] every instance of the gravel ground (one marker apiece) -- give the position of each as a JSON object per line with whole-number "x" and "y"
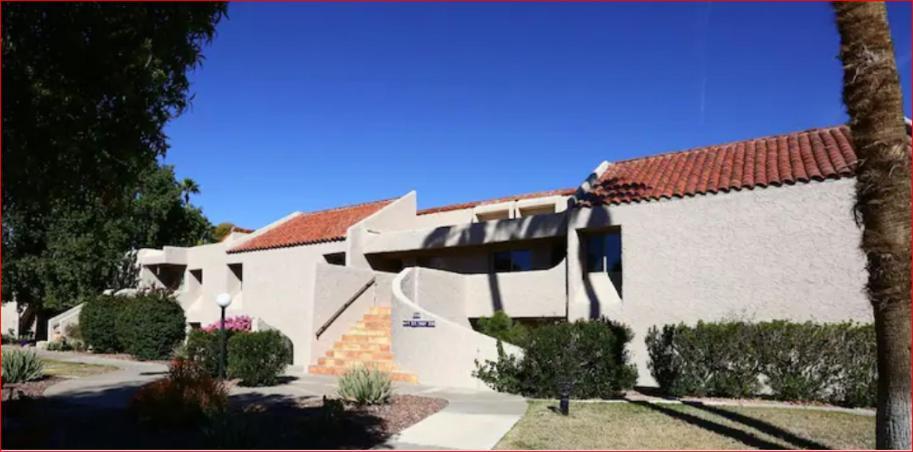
{"x": 403, "y": 410}
{"x": 30, "y": 389}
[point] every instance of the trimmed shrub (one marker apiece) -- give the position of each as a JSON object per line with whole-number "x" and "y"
{"x": 366, "y": 386}
{"x": 258, "y": 358}
{"x": 98, "y": 320}
{"x": 709, "y": 359}
{"x": 587, "y": 358}
{"x": 204, "y": 348}
{"x": 20, "y": 366}
{"x": 151, "y": 325}
{"x": 832, "y": 363}
{"x": 500, "y": 326}
{"x": 188, "y": 396}
{"x": 66, "y": 345}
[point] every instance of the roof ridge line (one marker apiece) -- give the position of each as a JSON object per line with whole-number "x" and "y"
{"x": 728, "y": 143}
{"x": 348, "y": 206}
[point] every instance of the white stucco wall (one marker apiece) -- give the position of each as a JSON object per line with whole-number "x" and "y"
{"x": 776, "y": 253}
{"x": 9, "y": 318}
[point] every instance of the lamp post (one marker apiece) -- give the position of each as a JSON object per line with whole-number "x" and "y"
{"x": 223, "y": 300}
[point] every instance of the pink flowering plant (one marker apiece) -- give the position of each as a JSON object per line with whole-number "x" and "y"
{"x": 236, "y": 323}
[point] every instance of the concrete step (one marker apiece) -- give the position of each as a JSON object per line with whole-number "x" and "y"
{"x": 360, "y": 355}
{"x": 385, "y": 365}
{"x": 336, "y": 371}
{"x": 361, "y": 346}
{"x": 382, "y": 340}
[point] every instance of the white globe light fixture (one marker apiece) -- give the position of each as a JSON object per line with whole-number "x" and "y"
{"x": 223, "y": 300}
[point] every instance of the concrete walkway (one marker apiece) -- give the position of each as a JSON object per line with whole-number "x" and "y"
{"x": 106, "y": 390}
{"x": 472, "y": 419}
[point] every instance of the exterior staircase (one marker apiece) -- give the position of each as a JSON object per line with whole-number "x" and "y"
{"x": 366, "y": 344}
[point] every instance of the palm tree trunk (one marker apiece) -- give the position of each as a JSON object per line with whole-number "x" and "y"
{"x": 872, "y": 95}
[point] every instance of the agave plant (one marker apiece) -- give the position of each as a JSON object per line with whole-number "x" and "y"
{"x": 20, "y": 366}
{"x": 366, "y": 386}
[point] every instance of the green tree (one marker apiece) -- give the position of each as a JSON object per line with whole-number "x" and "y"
{"x": 221, "y": 231}
{"x": 189, "y": 187}
{"x": 871, "y": 92}
{"x": 87, "y": 90}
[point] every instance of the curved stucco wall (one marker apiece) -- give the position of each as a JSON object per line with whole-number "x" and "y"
{"x": 538, "y": 293}
{"x": 776, "y": 253}
{"x": 443, "y": 355}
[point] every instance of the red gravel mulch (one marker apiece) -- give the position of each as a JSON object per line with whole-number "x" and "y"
{"x": 403, "y": 410}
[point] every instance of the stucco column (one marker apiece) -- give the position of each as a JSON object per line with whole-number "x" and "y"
{"x": 578, "y": 307}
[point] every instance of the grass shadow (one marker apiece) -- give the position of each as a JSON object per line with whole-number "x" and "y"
{"x": 762, "y": 426}
{"x": 742, "y": 436}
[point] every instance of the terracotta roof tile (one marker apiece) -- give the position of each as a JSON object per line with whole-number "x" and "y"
{"x": 312, "y": 227}
{"x": 471, "y": 204}
{"x": 816, "y": 154}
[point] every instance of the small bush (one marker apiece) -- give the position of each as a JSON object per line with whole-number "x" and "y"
{"x": 98, "y": 320}
{"x": 188, "y": 396}
{"x": 588, "y": 358}
{"x": 204, "y": 349}
{"x": 366, "y": 386}
{"x": 20, "y": 366}
{"x": 500, "y": 326}
{"x": 151, "y": 325}
{"x": 66, "y": 344}
{"x": 832, "y": 363}
{"x": 72, "y": 331}
{"x": 258, "y": 358}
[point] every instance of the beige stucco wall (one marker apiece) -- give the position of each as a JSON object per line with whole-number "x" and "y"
{"x": 775, "y": 253}
{"x": 279, "y": 289}
{"x": 334, "y": 285}
{"x": 9, "y": 318}
{"x": 538, "y": 293}
{"x": 444, "y": 355}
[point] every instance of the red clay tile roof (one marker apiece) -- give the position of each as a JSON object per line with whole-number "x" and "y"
{"x": 312, "y": 227}
{"x": 471, "y": 204}
{"x": 815, "y": 154}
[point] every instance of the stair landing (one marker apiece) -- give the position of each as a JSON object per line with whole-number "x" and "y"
{"x": 367, "y": 344}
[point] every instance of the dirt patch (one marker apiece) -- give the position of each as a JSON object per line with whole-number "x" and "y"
{"x": 31, "y": 389}
{"x": 403, "y": 410}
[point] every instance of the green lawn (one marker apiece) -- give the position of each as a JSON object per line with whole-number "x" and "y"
{"x": 669, "y": 426}
{"x": 64, "y": 369}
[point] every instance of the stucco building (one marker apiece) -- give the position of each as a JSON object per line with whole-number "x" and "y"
{"x": 758, "y": 229}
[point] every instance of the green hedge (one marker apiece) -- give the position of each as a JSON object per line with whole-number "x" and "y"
{"x": 833, "y": 363}
{"x": 589, "y": 357}
{"x": 258, "y": 358}
{"x": 151, "y": 325}
{"x": 97, "y": 322}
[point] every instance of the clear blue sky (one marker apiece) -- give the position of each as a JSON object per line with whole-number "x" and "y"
{"x": 311, "y": 106}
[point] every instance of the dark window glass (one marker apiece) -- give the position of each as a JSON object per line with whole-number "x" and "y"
{"x": 512, "y": 261}
{"x": 502, "y": 261}
{"x": 613, "y": 253}
{"x": 521, "y": 260}
{"x": 595, "y": 253}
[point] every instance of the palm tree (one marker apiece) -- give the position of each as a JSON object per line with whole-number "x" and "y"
{"x": 189, "y": 187}
{"x": 871, "y": 92}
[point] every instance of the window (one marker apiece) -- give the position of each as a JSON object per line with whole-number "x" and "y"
{"x": 335, "y": 258}
{"x": 603, "y": 254}
{"x": 512, "y": 261}
{"x": 235, "y": 277}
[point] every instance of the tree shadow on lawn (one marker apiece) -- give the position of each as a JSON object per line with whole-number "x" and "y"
{"x": 742, "y": 436}
{"x": 762, "y": 426}
{"x": 253, "y": 422}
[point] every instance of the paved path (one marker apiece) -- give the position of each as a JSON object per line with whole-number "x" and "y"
{"x": 106, "y": 390}
{"x": 472, "y": 419}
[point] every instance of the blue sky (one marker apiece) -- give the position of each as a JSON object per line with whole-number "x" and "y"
{"x": 311, "y": 106}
